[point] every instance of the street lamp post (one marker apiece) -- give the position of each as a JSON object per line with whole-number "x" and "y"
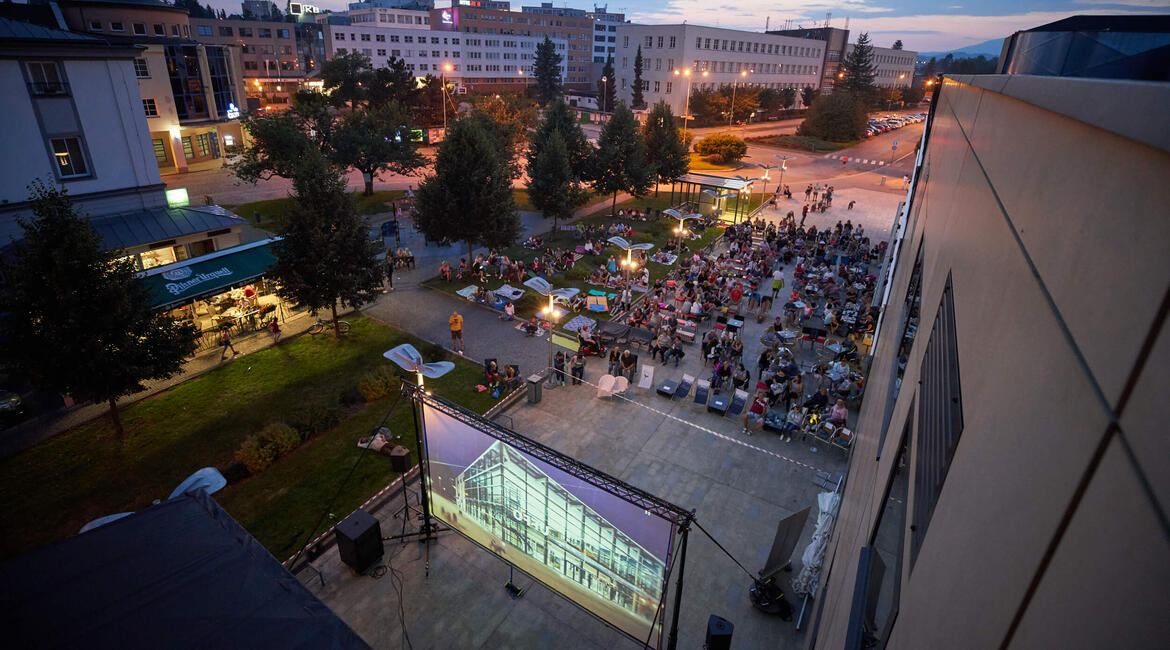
{"x": 604, "y": 93}
{"x": 443, "y": 81}
{"x": 687, "y": 110}
{"x": 552, "y": 315}
{"x": 731, "y": 109}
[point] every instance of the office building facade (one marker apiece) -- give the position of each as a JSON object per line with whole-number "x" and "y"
{"x": 277, "y": 58}
{"x": 771, "y": 61}
{"x": 1009, "y": 480}
{"x": 478, "y": 62}
{"x": 892, "y": 68}
{"x": 835, "y": 39}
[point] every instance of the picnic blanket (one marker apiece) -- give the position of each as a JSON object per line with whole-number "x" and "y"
{"x": 578, "y": 322}
{"x": 509, "y": 292}
{"x": 595, "y": 292}
{"x": 664, "y": 258}
{"x": 468, "y": 292}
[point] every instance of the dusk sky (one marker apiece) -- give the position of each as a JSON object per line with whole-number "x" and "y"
{"x": 922, "y": 25}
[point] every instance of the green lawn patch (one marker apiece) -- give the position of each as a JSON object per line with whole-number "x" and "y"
{"x": 699, "y": 163}
{"x": 272, "y": 210}
{"x": 802, "y": 142}
{"x": 57, "y": 486}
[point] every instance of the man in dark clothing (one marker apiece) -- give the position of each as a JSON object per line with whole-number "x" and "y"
{"x": 818, "y": 401}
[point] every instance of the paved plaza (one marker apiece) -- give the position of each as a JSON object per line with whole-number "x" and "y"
{"x": 740, "y": 487}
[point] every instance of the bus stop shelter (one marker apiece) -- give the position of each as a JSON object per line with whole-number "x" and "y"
{"x": 710, "y": 195}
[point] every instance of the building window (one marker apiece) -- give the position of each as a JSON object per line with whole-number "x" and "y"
{"x": 160, "y": 152}
{"x": 282, "y": 33}
{"x": 264, "y": 32}
{"x": 381, "y": 38}
{"x": 117, "y": 26}
{"x": 141, "y": 69}
{"x": 286, "y": 49}
{"x": 139, "y": 29}
{"x": 246, "y": 32}
{"x": 250, "y": 65}
{"x": 149, "y": 107}
{"x": 95, "y": 25}
{"x": 203, "y": 30}
{"x": 940, "y": 418}
{"x": 656, "y": 86}
{"x": 160, "y": 29}
{"x": 669, "y": 86}
{"x": 225, "y": 31}
{"x": 174, "y": 30}
{"x": 45, "y": 78}
{"x": 365, "y": 37}
{"x": 70, "y": 157}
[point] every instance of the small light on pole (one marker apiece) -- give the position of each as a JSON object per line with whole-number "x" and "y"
{"x": 731, "y": 109}
{"x": 604, "y": 92}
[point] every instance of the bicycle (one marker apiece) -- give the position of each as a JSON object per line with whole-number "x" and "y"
{"x": 322, "y": 325}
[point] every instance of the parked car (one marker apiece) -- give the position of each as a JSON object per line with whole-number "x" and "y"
{"x": 11, "y": 408}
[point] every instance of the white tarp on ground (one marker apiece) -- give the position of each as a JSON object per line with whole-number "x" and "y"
{"x": 814, "y": 554}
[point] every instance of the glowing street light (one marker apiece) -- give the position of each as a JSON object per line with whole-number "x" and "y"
{"x": 551, "y": 313}
{"x": 681, "y": 231}
{"x": 731, "y": 109}
{"x": 604, "y": 92}
{"x": 687, "y": 110}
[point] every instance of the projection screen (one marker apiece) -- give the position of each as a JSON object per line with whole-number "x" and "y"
{"x": 590, "y": 545}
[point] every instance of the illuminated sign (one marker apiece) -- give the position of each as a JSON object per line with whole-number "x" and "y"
{"x": 448, "y": 19}
{"x": 177, "y": 198}
{"x": 232, "y": 112}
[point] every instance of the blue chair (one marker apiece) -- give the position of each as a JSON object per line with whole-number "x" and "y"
{"x": 738, "y": 402}
{"x": 684, "y": 387}
{"x": 667, "y": 388}
{"x": 718, "y": 404}
{"x": 702, "y": 391}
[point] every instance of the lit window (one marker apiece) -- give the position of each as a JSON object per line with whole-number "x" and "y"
{"x": 149, "y": 107}
{"x": 70, "y": 160}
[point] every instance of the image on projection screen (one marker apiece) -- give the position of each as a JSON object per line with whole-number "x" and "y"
{"x": 592, "y": 547}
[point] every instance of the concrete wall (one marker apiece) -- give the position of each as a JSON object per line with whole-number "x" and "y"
{"x": 1050, "y": 529}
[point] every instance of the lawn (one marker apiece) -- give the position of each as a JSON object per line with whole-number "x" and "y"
{"x": 657, "y": 232}
{"x": 803, "y": 142}
{"x": 87, "y": 473}
{"x": 272, "y": 211}
{"x": 523, "y": 202}
{"x": 699, "y": 164}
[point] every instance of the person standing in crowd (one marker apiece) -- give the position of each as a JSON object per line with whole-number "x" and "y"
{"x": 615, "y": 356}
{"x": 753, "y": 420}
{"x": 389, "y": 273}
{"x": 456, "y": 322}
{"x": 274, "y": 328}
{"x": 629, "y": 363}
{"x": 559, "y": 367}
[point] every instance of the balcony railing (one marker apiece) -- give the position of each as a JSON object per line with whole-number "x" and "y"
{"x": 48, "y": 88}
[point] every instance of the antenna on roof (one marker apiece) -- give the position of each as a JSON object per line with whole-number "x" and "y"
{"x": 846, "y": 23}
{"x": 828, "y": 17}
{"x": 767, "y": 21}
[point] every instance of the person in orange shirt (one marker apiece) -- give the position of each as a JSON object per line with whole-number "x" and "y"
{"x": 456, "y": 322}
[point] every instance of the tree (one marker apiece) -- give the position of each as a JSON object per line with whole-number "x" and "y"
{"x": 392, "y": 82}
{"x": 619, "y": 163}
{"x": 559, "y": 118}
{"x": 428, "y": 108}
{"x": 770, "y": 100}
{"x": 547, "y": 71}
{"x": 637, "y": 101}
{"x": 276, "y": 144}
{"x": 929, "y": 69}
{"x": 469, "y": 196}
{"x": 75, "y": 318}
{"x": 325, "y": 254}
{"x": 898, "y": 44}
{"x": 513, "y": 112}
{"x": 664, "y": 146}
{"x": 552, "y": 186}
{"x": 836, "y": 117}
{"x": 808, "y": 95}
{"x": 722, "y": 148}
{"x": 344, "y": 78}
{"x": 787, "y": 97}
{"x": 608, "y": 87}
{"x": 374, "y": 141}
{"x": 914, "y": 94}
{"x": 858, "y": 67}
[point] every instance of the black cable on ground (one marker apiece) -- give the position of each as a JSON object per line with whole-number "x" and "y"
{"x": 292, "y": 565}
{"x": 725, "y": 551}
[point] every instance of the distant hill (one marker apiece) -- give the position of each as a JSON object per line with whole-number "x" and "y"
{"x": 986, "y": 48}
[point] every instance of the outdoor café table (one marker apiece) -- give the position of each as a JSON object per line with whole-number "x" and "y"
{"x": 734, "y": 324}
{"x": 835, "y": 348}
{"x": 814, "y": 327}
{"x": 788, "y": 335}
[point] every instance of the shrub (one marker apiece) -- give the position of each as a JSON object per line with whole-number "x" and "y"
{"x": 377, "y": 384}
{"x": 282, "y": 436}
{"x": 714, "y": 159}
{"x": 235, "y": 472}
{"x": 729, "y": 147}
{"x": 317, "y": 416}
{"x": 256, "y": 454}
{"x": 351, "y": 396}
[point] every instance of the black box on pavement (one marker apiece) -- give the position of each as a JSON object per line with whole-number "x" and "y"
{"x": 359, "y": 540}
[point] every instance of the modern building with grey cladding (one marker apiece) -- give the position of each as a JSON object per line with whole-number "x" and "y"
{"x": 1010, "y": 476}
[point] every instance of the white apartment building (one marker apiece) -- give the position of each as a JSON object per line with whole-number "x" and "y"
{"x": 771, "y": 61}
{"x": 479, "y": 62}
{"x": 894, "y": 68}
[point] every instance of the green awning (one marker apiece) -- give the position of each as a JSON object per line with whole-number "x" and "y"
{"x": 208, "y": 275}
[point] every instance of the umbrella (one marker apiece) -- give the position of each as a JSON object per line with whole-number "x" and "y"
{"x": 814, "y": 554}
{"x": 208, "y": 479}
{"x": 408, "y": 358}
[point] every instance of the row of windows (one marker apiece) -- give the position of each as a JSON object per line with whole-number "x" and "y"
{"x": 726, "y": 45}
{"x": 887, "y": 58}
{"x": 669, "y": 86}
{"x": 245, "y": 32}
{"x": 401, "y": 19}
{"x": 524, "y": 20}
{"x": 394, "y": 38}
{"x": 271, "y": 65}
{"x": 138, "y": 29}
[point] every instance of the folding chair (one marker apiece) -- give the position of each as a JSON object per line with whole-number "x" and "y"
{"x": 718, "y": 404}
{"x": 620, "y": 385}
{"x": 667, "y": 388}
{"x": 647, "y": 379}
{"x": 738, "y": 402}
{"x": 684, "y": 387}
{"x": 702, "y": 391}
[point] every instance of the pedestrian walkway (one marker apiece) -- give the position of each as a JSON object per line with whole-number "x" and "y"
{"x": 859, "y": 161}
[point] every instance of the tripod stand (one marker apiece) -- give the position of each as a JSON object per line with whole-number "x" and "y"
{"x": 427, "y": 528}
